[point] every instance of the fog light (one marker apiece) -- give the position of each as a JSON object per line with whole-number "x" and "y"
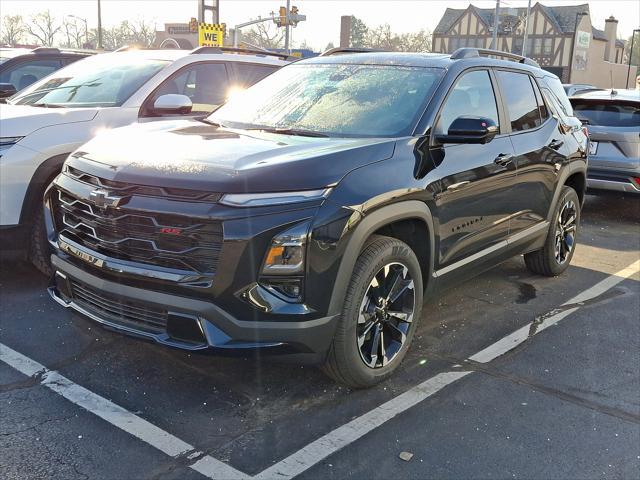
{"x": 289, "y": 289}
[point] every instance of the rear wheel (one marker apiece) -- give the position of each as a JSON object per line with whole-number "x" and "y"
{"x": 555, "y": 256}
{"x": 379, "y": 316}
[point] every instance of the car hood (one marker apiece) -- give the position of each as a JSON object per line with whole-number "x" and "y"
{"x": 195, "y": 155}
{"x": 21, "y": 120}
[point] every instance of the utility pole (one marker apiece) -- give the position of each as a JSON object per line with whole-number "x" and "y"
{"x": 99, "y": 27}
{"x": 633, "y": 38}
{"x": 214, "y": 8}
{"x": 286, "y": 29}
{"x": 526, "y": 30}
{"x": 494, "y": 41}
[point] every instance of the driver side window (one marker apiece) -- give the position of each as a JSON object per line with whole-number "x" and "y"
{"x": 472, "y": 95}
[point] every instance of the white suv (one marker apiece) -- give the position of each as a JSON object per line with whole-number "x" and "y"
{"x": 42, "y": 124}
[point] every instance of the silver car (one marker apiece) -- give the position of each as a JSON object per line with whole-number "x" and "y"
{"x": 613, "y": 120}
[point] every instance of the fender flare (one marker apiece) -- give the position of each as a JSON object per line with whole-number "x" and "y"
{"x": 410, "y": 209}
{"x": 572, "y": 168}
{"x": 42, "y": 177}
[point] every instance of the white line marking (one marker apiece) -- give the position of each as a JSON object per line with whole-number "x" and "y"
{"x": 116, "y": 415}
{"x": 511, "y": 341}
{"x": 321, "y": 448}
{"x": 342, "y": 436}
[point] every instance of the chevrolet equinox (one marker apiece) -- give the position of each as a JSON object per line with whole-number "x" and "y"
{"x": 316, "y": 210}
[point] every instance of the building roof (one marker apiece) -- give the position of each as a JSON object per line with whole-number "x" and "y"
{"x": 563, "y": 17}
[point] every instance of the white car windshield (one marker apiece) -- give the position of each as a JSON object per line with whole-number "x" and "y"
{"x": 334, "y": 100}
{"x": 99, "y": 81}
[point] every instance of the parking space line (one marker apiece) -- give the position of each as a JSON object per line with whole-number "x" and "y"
{"x": 324, "y": 446}
{"x": 342, "y": 436}
{"x": 117, "y": 416}
{"x": 511, "y": 341}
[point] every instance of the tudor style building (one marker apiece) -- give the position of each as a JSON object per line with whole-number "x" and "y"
{"x": 561, "y": 39}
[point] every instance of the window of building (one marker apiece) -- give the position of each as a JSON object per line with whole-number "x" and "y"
{"x": 472, "y": 95}
{"x": 537, "y": 47}
{"x": 520, "y": 100}
{"x": 547, "y": 48}
{"x": 517, "y": 46}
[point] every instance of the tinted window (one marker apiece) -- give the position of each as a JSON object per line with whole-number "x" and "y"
{"x": 244, "y": 74}
{"x": 560, "y": 95}
{"x": 609, "y": 114}
{"x": 26, "y": 73}
{"x": 520, "y": 100}
{"x": 206, "y": 84}
{"x": 542, "y": 108}
{"x": 472, "y": 95}
{"x": 335, "y": 99}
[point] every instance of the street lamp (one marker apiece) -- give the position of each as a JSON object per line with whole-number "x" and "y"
{"x": 633, "y": 38}
{"x": 86, "y": 30}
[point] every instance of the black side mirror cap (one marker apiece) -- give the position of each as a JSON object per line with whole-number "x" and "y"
{"x": 7, "y": 89}
{"x": 470, "y": 129}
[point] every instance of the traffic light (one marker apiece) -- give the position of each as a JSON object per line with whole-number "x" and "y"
{"x": 283, "y": 16}
{"x": 293, "y": 16}
{"x": 193, "y": 25}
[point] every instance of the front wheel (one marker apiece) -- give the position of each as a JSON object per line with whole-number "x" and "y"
{"x": 555, "y": 256}
{"x": 380, "y": 314}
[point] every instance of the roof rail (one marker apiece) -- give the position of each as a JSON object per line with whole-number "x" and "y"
{"x": 252, "y": 51}
{"x": 477, "y": 52}
{"x": 345, "y": 50}
{"x": 45, "y": 50}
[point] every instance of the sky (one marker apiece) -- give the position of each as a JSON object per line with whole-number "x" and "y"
{"x": 323, "y": 16}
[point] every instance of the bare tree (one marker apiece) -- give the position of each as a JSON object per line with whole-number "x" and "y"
{"x": 265, "y": 36}
{"x": 44, "y": 27}
{"x": 383, "y": 38}
{"x": 12, "y": 30}
{"x": 75, "y": 36}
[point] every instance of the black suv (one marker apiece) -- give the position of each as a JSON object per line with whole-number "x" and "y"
{"x": 316, "y": 210}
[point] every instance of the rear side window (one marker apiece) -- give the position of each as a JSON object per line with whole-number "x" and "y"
{"x": 520, "y": 100}
{"x": 472, "y": 95}
{"x": 243, "y": 75}
{"x": 608, "y": 114}
{"x": 26, "y": 73}
{"x": 542, "y": 108}
{"x": 557, "y": 90}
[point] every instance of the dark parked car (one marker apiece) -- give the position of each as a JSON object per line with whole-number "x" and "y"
{"x": 20, "y": 67}
{"x": 316, "y": 210}
{"x": 613, "y": 119}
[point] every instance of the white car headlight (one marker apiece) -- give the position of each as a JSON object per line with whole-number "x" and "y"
{"x": 7, "y": 142}
{"x": 276, "y": 198}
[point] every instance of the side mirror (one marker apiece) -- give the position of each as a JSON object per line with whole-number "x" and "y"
{"x": 7, "y": 89}
{"x": 469, "y": 129}
{"x": 172, "y": 103}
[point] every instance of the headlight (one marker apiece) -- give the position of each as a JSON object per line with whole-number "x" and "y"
{"x": 7, "y": 142}
{"x": 286, "y": 253}
{"x": 276, "y": 198}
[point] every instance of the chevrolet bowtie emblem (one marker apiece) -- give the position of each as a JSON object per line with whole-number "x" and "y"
{"x": 102, "y": 199}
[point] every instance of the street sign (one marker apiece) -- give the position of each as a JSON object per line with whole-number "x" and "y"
{"x": 211, "y": 34}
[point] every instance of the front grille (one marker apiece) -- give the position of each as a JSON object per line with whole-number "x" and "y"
{"x": 122, "y": 188}
{"x": 164, "y": 240}
{"x": 118, "y": 311}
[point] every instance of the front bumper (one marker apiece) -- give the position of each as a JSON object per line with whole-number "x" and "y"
{"x": 189, "y": 323}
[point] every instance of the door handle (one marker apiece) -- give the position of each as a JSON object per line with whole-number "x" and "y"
{"x": 457, "y": 186}
{"x": 503, "y": 159}
{"x": 556, "y": 144}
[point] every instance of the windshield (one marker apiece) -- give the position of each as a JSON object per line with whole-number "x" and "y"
{"x": 100, "y": 81}
{"x": 334, "y": 99}
{"x": 608, "y": 114}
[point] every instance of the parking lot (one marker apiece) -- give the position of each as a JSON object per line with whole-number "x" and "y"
{"x": 559, "y": 398}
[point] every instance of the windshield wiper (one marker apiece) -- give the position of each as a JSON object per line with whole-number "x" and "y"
{"x": 211, "y": 122}
{"x": 47, "y": 105}
{"x": 291, "y": 131}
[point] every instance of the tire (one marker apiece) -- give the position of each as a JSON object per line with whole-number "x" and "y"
{"x": 39, "y": 252}
{"x": 350, "y": 363}
{"x": 546, "y": 261}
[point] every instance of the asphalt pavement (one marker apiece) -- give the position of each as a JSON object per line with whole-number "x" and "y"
{"x": 563, "y": 403}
